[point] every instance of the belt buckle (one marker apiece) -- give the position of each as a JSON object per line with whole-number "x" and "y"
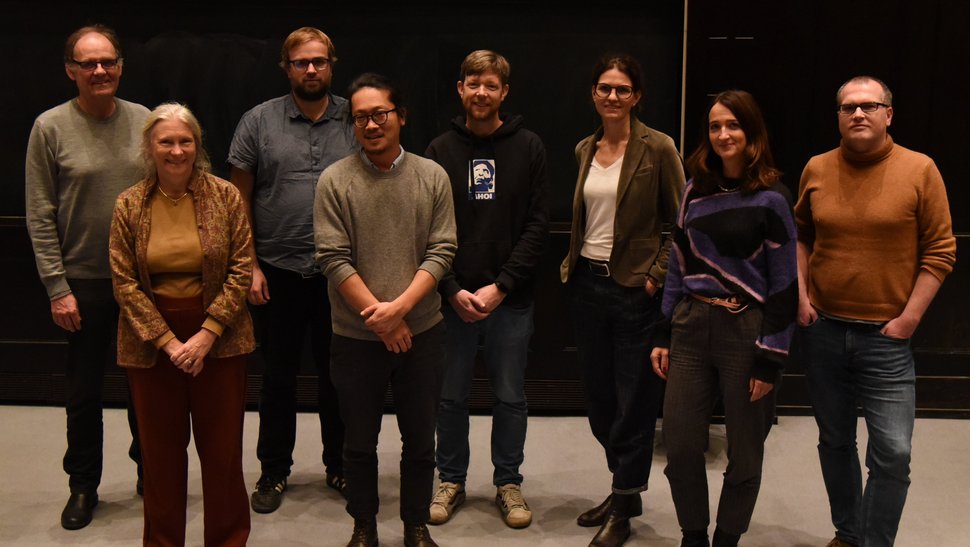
{"x": 601, "y": 269}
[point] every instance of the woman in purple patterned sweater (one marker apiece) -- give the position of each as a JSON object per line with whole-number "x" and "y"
{"x": 729, "y": 307}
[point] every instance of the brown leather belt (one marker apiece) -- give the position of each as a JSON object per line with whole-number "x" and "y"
{"x": 732, "y": 303}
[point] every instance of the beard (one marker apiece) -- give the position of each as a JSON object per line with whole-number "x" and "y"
{"x": 311, "y": 95}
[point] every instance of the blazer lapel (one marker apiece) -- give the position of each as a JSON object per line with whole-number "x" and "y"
{"x": 636, "y": 147}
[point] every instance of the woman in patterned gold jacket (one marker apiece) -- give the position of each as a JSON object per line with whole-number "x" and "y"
{"x": 181, "y": 262}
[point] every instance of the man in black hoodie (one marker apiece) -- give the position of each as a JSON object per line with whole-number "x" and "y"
{"x": 498, "y": 179}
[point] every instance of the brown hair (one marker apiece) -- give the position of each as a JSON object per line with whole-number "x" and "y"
{"x": 705, "y": 165}
{"x": 72, "y": 40}
{"x": 301, "y": 36}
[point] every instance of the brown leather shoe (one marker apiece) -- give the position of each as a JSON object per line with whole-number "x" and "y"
{"x": 597, "y": 515}
{"x": 365, "y": 534}
{"x": 417, "y": 535}
{"x": 616, "y": 528}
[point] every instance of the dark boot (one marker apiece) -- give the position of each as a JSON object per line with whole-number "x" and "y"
{"x": 724, "y": 539}
{"x": 417, "y": 535}
{"x": 616, "y": 528}
{"x": 695, "y": 538}
{"x": 597, "y": 515}
{"x": 365, "y": 534}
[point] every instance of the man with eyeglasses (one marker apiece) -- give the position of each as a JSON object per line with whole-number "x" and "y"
{"x": 875, "y": 242}
{"x": 385, "y": 236}
{"x": 80, "y": 156}
{"x": 498, "y": 177}
{"x": 276, "y": 156}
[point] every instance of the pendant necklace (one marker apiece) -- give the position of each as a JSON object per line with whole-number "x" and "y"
{"x": 175, "y": 201}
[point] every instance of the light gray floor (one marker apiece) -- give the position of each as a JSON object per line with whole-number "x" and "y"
{"x": 564, "y": 469}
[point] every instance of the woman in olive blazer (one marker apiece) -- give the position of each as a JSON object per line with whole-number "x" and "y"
{"x": 628, "y": 192}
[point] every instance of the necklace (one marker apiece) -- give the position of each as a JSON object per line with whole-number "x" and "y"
{"x": 175, "y": 201}
{"x": 724, "y": 189}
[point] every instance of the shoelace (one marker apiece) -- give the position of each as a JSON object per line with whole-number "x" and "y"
{"x": 421, "y": 533}
{"x": 512, "y": 498}
{"x": 267, "y": 485}
{"x": 444, "y": 495}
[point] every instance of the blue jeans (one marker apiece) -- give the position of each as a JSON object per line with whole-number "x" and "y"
{"x": 506, "y": 332}
{"x": 613, "y": 339}
{"x": 850, "y": 364}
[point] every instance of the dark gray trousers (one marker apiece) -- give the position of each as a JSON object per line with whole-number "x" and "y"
{"x": 711, "y": 354}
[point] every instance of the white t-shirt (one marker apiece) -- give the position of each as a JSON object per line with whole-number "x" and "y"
{"x": 599, "y": 196}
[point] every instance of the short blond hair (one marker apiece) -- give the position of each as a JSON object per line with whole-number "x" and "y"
{"x": 481, "y": 61}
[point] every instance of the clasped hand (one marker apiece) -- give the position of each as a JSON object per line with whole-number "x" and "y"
{"x": 189, "y": 357}
{"x": 386, "y": 320}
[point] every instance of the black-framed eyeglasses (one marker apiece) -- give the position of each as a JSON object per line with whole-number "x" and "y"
{"x": 622, "y": 91}
{"x": 106, "y": 64}
{"x": 849, "y": 108}
{"x": 379, "y": 117}
{"x": 319, "y": 63}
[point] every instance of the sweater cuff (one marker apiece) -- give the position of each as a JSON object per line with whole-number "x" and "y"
{"x": 163, "y": 339}
{"x": 661, "y": 333}
{"x": 505, "y": 282}
{"x": 766, "y": 368}
{"x": 213, "y": 325}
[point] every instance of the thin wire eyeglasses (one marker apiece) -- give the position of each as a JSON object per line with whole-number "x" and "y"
{"x": 89, "y": 66}
{"x": 848, "y": 109}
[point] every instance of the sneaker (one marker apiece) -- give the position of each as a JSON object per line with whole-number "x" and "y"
{"x": 448, "y": 497}
{"x": 836, "y": 542}
{"x": 515, "y": 511}
{"x": 268, "y": 494}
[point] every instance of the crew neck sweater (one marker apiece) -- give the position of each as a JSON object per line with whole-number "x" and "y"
{"x": 383, "y": 226}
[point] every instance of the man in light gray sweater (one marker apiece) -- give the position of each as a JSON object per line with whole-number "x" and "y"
{"x": 384, "y": 228}
{"x": 80, "y": 156}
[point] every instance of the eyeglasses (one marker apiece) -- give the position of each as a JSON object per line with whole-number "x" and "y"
{"x": 319, "y": 63}
{"x": 604, "y": 90}
{"x": 379, "y": 117}
{"x": 848, "y": 109}
{"x": 88, "y": 66}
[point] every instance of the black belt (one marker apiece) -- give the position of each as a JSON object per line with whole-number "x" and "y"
{"x": 600, "y": 268}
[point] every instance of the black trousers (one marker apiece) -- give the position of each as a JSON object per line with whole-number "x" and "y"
{"x": 361, "y": 371}
{"x": 296, "y": 304}
{"x": 89, "y": 349}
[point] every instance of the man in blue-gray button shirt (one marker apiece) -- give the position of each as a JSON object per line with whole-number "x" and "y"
{"x": 277, "y": 154}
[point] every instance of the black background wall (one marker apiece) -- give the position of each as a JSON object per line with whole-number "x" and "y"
{"x": 222, "y": 61}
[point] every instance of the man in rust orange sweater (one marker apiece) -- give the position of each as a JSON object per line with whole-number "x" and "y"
{"x": 875, "y": 242}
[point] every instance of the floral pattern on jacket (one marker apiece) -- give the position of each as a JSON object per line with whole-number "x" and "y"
{"x": 226, "y": 239}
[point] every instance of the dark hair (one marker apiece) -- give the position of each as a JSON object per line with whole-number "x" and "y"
{"x": 72, "y": 40}
{"x": 705, "y": 165}
{"x": 378, "y": 81}
{"x": 626, "y": 64}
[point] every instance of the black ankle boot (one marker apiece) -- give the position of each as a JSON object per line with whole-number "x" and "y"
{"x": 365, "y": 534}
{"x": 695, "y": 538}
{"x": 724, "y": 539}
{"x": 616, "y": 527}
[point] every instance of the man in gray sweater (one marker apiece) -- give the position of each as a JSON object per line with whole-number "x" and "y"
{"x": 80, "y": 156}
{"x": 384, "y": 228}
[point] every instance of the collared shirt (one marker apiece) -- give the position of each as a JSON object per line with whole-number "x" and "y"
{"x": 286, "y": 152}
{"x": 397, "y": 161}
